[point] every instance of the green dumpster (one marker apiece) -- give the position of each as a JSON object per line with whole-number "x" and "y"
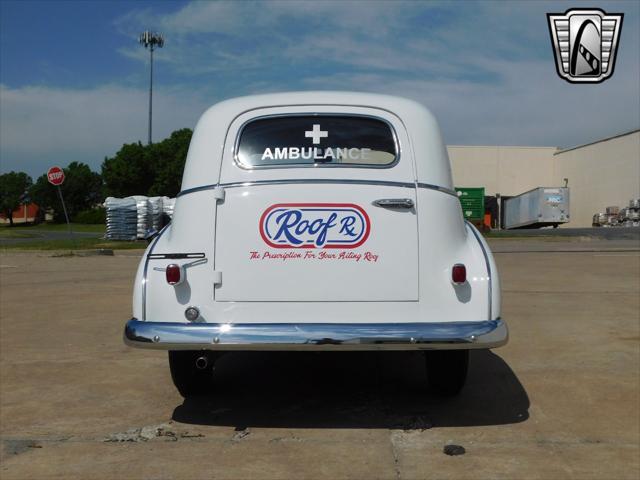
{"x": 472, "y": 202}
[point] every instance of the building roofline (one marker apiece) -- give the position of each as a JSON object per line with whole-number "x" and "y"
{"x": 502, "y": 146}
{"x": 558, "y": 151}
{"x": 562, "y": 150}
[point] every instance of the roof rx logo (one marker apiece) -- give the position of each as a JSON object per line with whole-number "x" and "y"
{"x": 585, "y": 43}
{"x": 314, "y": 225}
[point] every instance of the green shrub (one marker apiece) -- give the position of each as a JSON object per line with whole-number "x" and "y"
{"x": 93, "y": 216}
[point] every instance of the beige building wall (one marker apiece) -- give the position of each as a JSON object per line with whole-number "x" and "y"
{"x": 600, "y": 174}
{"x": 503, "y": 170}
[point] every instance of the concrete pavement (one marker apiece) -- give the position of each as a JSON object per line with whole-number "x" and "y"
{"x": 559, "y": 401}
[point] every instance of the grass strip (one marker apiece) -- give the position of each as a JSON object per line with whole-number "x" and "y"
{"x": 53, "y": 227}
{"x": 77, "y": 244}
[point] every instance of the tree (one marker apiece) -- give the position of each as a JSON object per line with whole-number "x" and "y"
{"x": 168, "y": 158}
{"x": 129, "y": 172}
{"x": 44, "y": 195}
{"x": 82, "y": 190}
{"x": 12, "y": 186}
{"x": 153, "y": 170}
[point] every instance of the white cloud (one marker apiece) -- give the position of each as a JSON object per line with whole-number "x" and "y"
{"x": 205, "y": 37}
{"x": 530, "y": 106}
{"x": 486, "y": 70}
{"x": 237, "y": 18}
{"x": 43, "y": 125}
{"x": 300, "y": 42}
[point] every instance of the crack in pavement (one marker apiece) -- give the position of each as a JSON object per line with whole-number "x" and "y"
{"x": 396, "y": 460}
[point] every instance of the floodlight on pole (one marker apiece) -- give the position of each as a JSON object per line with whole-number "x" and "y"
{"x": 151, "y": 40}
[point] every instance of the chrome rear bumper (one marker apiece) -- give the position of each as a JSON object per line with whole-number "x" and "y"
{"x": 316, "y": 336}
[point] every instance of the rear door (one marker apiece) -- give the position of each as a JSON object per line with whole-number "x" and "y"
{"x": 318, "y": 206}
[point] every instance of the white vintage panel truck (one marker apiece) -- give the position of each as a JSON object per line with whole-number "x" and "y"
{"x": 317, "y": 221}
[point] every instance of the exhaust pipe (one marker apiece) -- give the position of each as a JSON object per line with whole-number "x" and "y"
{"x": 202, "y": 362}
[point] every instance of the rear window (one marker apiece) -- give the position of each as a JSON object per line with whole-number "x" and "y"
{"x": 320, "y": 140}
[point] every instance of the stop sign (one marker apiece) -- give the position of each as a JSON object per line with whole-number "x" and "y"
{"x": 55, "y": 175}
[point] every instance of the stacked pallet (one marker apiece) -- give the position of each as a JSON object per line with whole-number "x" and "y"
{"x": 144, "y": 219}
{"x": 167, "y": 206}
{"x": 619, "y": 217}
{"x": 155, "y": 212}
{"x": 132, "y": 217}
{"x": 122, "y": 218}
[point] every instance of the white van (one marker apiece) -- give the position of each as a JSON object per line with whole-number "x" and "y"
{"x": 317, "y": 221}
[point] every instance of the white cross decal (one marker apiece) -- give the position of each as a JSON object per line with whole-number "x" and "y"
{"x": 316, "y": 134}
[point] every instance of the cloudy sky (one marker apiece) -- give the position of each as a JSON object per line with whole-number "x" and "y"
{"x": 74, "y": 80}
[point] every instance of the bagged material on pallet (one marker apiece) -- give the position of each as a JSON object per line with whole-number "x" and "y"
{"x": 612, "y": 210}
{"x": 143, "y": 220}
{"x": 168, "y": 205}
{"x": 623, "y": 213}
{"x": 132, "y": 217}
{"x": 122, "y": 218}
{"x": 155, "y": 212}
{"x": 619, "y": 217}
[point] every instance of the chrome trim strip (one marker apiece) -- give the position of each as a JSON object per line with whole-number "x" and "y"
{"x": 174, "y": 256}
{"x": 327, "y": 181}
{"x": 316, "y": 336}
{"x": 486, "y": 260}
{"x": 429, "y": 186}
{"x": 197, "y": 189}
{"x": 146, "y": 268}
{"x": 321, "y": 181}
{"x": 240, "y": 165}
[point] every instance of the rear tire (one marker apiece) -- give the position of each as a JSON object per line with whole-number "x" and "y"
{"x": 187, "y": 377}
{"x": 447, "y": 370}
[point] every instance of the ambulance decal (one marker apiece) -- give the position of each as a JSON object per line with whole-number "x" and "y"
{"x": 314, "y": 225}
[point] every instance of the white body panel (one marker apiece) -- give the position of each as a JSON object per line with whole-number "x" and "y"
{"x": 219, "y": 211}
{"x": 380, "y": 270}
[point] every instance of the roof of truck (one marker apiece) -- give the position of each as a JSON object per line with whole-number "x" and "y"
{"x": 387, "y": 102}
{"x": 211, "y": 133}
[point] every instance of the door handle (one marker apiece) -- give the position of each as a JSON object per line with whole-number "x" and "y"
{"x": 394, "y": 203}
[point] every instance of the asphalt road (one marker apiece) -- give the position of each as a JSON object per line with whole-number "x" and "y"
{"x": 607, "y": 233}
{"x": 559, "y": 401}
{"x": 595, "y": 234}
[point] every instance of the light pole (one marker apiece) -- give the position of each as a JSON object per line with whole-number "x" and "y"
{"x": 151, "y": 40}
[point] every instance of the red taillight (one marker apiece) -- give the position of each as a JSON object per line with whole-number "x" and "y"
{"x": 459, "y": 274}
{"x": 174, "y": 274}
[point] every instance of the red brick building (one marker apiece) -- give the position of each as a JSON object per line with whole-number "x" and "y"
{"x": 22, "y": 214}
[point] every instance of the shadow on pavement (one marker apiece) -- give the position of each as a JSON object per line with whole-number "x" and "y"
{"x": 352, "y": 390}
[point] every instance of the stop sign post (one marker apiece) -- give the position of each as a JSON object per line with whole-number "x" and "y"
{"x": 55, "y": 175}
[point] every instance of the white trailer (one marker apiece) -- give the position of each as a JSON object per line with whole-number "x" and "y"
{"x": 540, "y": 207}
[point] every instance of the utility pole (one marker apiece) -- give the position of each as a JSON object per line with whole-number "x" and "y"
{"x": 151, "y": 40}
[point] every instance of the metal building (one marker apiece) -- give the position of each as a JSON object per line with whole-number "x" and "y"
{"x": 600, "y": 174}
